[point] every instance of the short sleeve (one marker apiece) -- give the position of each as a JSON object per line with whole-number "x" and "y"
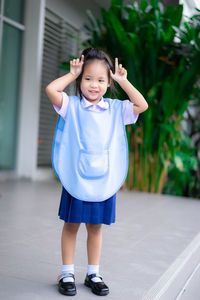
{"x": 128, "y": 115}
{"x": 63, "y": 110}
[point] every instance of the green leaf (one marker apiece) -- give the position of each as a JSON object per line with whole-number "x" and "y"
{"x": 169, "y": 128}
{"x": 143, "y": 5}
{"x": 64, "y": 66}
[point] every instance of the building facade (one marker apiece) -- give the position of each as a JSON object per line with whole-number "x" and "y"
{"x": 35, "y": 37}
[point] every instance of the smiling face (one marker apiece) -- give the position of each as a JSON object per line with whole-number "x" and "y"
{"x": 94, "y": 81}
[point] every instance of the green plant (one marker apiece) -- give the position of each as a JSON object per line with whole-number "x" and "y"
{"x": 163, "y": 63}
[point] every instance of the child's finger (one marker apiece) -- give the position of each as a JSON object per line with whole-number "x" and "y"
{"x": 82, "y": 58}
{"x": 116, "y": 63}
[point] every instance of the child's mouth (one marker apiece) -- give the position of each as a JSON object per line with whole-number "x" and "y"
{"x": 93, "y": 92}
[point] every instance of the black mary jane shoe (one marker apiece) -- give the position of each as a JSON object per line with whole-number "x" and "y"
{"x": 98, "y": 288}
{"x": 66, "y": 288}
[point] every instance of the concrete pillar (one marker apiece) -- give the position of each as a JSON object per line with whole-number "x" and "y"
{"x": 30, "y": 89}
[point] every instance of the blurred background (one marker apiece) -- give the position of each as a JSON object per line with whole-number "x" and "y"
{"x": 159, "y": 44}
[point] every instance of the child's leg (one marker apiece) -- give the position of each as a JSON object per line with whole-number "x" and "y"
{"x": 68, "y": 242}
{"x": 66, "y": 283}
{"x": 94, "y": 243}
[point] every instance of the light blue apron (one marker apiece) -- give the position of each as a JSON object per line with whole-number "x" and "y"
{"x": 90, "y": 150}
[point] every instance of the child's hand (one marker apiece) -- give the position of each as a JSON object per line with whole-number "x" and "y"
{"x": 76, "y": 66}
{"x": 120, "y": 72}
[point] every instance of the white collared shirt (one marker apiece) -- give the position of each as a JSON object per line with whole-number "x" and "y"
{"x": 101, "y": 105}
{"x": 128, "y": 115}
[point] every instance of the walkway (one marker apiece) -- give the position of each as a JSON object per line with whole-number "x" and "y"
{"x": 143, "y": 252}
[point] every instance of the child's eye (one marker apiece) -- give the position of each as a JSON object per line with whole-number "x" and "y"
{"x": 101, "y": 80}
{"x": 87, "y": 78}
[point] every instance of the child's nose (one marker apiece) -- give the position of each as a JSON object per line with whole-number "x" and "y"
{"x": 93, "y": 83}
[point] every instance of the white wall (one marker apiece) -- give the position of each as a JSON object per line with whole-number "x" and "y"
{"x": 189, "y": 7}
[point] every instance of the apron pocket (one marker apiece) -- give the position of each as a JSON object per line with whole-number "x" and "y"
{"x": 92, "y": 164}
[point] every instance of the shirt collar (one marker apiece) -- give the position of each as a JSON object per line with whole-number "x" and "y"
{"x": 102, "y": 104}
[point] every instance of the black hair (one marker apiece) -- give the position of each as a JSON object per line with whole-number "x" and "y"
{"x": 92, "y": 54}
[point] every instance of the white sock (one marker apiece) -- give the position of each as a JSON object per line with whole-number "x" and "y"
{"x": 66, "y": 269}
{"x": 94, "y": 269}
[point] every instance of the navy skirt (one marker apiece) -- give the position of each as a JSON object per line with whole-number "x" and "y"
{"x": 73, "y": 210}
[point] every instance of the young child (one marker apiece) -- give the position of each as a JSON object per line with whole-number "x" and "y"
{"x": 90, "y": 156}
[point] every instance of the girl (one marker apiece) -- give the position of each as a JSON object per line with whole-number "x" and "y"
{"x": 90, "y": 156}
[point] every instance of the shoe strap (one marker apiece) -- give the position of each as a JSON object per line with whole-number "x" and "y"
{"x": 61, "y": 276}
{"x": 95, "y": 275}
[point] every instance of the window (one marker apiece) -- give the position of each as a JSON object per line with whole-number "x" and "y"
{"x": 58, "y": 45}
{"x": 11, "y": 35}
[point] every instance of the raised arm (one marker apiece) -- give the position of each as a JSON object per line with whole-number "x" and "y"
{"x": 134, "y": 95}
{"x": 54, "y": 88}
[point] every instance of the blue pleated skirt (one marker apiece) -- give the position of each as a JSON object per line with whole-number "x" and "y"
{"x": 72, "y": 210}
